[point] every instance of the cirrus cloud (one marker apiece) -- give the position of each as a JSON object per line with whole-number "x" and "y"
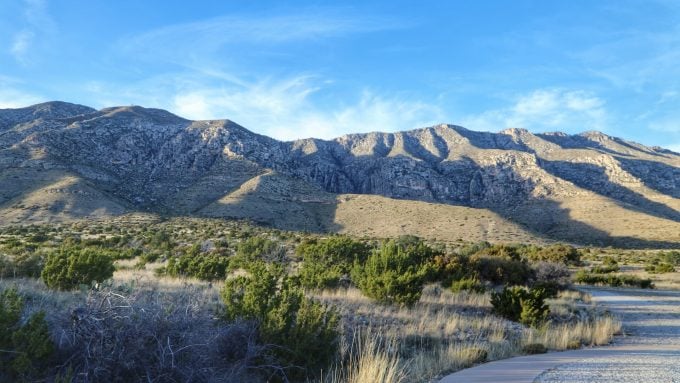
{"x": 544, "y": 110}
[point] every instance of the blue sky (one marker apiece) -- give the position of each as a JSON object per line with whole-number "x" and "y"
{"x": 299, "y": 69}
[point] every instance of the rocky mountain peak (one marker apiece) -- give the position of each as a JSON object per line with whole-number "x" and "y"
{"x": 46, "y": 111}
{"x": 151, "y": 159}
{"x": 158, "y": 116}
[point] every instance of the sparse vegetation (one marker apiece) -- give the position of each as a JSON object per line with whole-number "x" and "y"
{"x": 659, "y": 268}
{"x": 395, "y": 272}
{"x": 612, "y": 280}
{"x": 203, "y": 300}
{"x": 68, "y": 268}
{"x": 519, "y": 304}
{"x": 25, "y": 348}
{"x": 328, "y": 262}
{"x": 304, "y": 332}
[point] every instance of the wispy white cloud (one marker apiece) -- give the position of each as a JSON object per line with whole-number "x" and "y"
{"x": 636, "y": 59}
{"x": 284, "y": 112}
{"x": 21, "y": 44}
{"x": 190, "y": 42}
{"x": 37, "y": 24}
{"x": 543, "y": 110}
{"x": 666, "y": 124}
{"x": 11, "y": 96}
{"x": 285, "y": 109}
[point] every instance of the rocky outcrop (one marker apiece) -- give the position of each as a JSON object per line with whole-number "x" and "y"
{"x": 154, "y": 160}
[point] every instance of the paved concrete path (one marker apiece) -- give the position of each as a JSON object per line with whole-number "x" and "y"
{"x": 649, "y": 353}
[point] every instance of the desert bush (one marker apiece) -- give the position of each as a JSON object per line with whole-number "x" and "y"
{"x": 473, "y": 248}
{"x": 558, "y": 253}
{"x": 551, "y": 277}
{"x": 256, "y": 249}
{"x": 147, "y": 336}
{"x": 25, "y": 348}
{"x": 551, "y": 272}
{"x": 585, "y": 277}
{"x": 327, "y": 262}
{"x": 23, "y": 264}
{"x": 395, "y": 273}
{"x": 208, "y": 267}
{"x": 671, "y": 257}
{"x": 501, "y": 270}
{"x": 304, "y": 331}
{"x": 448, "y": 268}
{"x": 521, "y": 305}
{"x": 605, "y": 269}
{"x": 67, "y": 268}
{"x": 609, "y": 261}
{"x": 468, "y": 284}
{"x": 660, "y": 268}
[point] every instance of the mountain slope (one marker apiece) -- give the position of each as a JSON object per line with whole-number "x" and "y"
{"x": 586, "y": 188}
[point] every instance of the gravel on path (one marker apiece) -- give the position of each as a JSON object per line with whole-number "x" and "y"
{"x": 648, "y": 352}
{"x": 651, "y": 322}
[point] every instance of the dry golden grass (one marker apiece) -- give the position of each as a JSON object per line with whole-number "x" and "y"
{"x": 447, "y": 331}
{"x": 596, "y": 332}
{"x": 127, "y": 274}
{"x": 369, "y": 360}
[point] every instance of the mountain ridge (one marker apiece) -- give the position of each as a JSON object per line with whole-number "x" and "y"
{"x": 143, "y": 159}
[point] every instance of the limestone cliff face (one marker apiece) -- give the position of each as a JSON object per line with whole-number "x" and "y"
{"x": 154, "y": 160}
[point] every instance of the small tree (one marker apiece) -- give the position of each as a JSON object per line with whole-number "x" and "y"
{"x": 305, "y": 331}
{"x": 395, "y": 273}
{"x": 25, "y": 348}
{"x": 67, "y": 268}
{"x": 326, "y": 262}
{"x": 518, "y": 304}
{"x": 558, "y": 253}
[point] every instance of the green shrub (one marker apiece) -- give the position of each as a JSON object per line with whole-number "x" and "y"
{"x": 468, "y": 284}
{"x": 473, "y": 248}
{"x": 587, "y": 278}
{"x": 605, "y": 269}
{"x": 550, "y": 288}
{"x": 328, "y": 261}
{"x": 660, "y": 268}
{"x": 558, "y": 253}
{"x": 26, "y": 348}
{"x": 518, "y": 304}
{"x": 672, "y": 257}
{"x": 208, "y": 267}
{"x": 609, "y": 261}
{"x": 24, "y": 264}
{"x": 305, "y": 331}
{"x": 68, "y": 268}
{"x": 395, "y": 273}
{"x": 501, "y": 270}
{"x": 448, "y": 268}
{"x": 256, "y": 249}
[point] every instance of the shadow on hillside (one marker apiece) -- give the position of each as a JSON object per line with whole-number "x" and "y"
{"x": 579, "y": 142}
{"x": 286, "y": 206}
{"x": 498, "y": 188}
{"x": 594, "y": 178}
{"x": 547, "y": 219}
{"x": 487, "y": 140}
{"x": 655, "y": 175}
